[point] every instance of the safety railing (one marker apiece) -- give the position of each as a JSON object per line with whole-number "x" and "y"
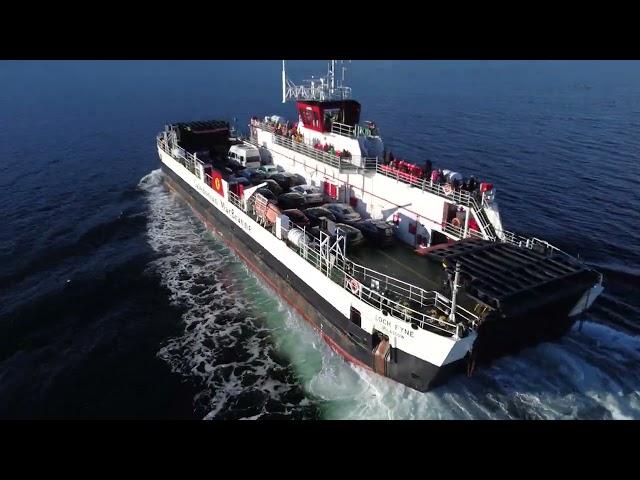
{"x": 235, "y": 200}
{"x": 476, "y": 202}
{"x": 352, "y": 132}
{"x": 187, "y": 159}
{"x": 458, "y": 231}
{"x": 301, "y": 146}
{"x": 319, "y": 155}
{"x": 343, "y": 129}
{"x": 532, "y": 243}
{"x": 422, "y": 308}
{"x": 381, "y": 282}
{"x": 460, "y": 197}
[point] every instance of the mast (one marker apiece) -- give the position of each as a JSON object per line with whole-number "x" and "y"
{"x": 284, "y": 84}
{"x": 454, "y": 295}
{"x": 322, "y": 89}
{"x": 333, "y": 74}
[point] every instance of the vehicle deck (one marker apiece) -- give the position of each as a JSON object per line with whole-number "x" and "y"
{"x": 493, "y": 272}
{"x": 396, "y": 260}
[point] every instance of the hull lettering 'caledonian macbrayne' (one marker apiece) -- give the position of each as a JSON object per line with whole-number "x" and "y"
{"x": 402, "y": 269}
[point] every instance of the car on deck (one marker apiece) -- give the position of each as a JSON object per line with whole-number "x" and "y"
{"x": 344, "y": 213}
{"x": 297, "y": 217}
{"x": 255, "y": 176}
{"x": 352, "y": 235}
{"x": 312, "y": 195}
{"x": 295, "y": 179}
{"x": 379, "y": 232}
{"x": 273, "y": 186}
{"x": 315, "y": 215}
{"x": 291, "y": 200}
{"x": 269, "y": 170}
{"x": 268, "y": 194}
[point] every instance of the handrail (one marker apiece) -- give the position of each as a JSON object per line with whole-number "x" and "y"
{"x": 343, "y": 129}
{"x": 235, "y": 200}
{"x": 460, "y": 197}
{"x": 336, "y": 161}
{"x": 405, "y": 291}
{"x": 319, "y": 155}
{"x": 409, "y": 291}
{"x": 458, "y": 231}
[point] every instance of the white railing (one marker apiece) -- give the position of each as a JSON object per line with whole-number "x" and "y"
{"x": 459, "y": 197}
{"x": 321, "y": 92}
{"x": 188, "y": 160}
{"x": 406, "y": 290}
{"x": 341, "y": 163}
{"x": 309, "y": 151}
{"x": 235, "y": 200}
{"x": 528, "y": 242}
{"x": 349, "y": 131}
{"x": 458, "y": 231}
{"x": 342, "y": 271}
{"x": 386, "y": 293}
{"x": 343, "y": 129}
{"x": 423, "y": 309}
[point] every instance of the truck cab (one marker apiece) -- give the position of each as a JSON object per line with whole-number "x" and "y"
{"x": 245, "y": 155}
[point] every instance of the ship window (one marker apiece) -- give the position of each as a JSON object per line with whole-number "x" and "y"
{"x": 355, "y": 317}
{"x": 307, "y": 117}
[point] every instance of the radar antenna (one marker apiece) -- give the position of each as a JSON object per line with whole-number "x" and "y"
{"x": 321, "y": 89}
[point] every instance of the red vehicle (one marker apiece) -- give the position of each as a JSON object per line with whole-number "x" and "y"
{"x": 297, "y": 217}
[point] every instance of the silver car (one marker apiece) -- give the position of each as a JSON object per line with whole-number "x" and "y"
{"x": 269, "y": 170}
{"x": 311, "y": 194}
{"x": 344, "y": 213}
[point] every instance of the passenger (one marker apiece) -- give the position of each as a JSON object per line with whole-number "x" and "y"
{"x": 472, "y": 184}
{"x": 427, "y": 168}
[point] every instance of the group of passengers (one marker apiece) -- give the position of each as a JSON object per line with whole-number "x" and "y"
{"x": 436, "y": 176}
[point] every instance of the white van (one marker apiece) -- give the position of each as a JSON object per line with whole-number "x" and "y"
{"x": 245, "y": 155}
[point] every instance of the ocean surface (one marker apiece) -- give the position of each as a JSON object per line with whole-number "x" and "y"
{"x": 116, "y": 302}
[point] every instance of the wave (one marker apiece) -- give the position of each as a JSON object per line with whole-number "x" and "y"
{"x": 225, "y": 347}
{"x": 256, "y": 358}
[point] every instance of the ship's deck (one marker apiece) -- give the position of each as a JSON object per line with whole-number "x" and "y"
{"x": 494, "y": 272}
{"x": 397, "y": 260}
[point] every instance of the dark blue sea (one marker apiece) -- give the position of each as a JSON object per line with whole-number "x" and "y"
{"x": 116, "y": 302}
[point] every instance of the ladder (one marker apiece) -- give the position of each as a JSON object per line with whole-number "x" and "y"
{"x": 483, "y": 221}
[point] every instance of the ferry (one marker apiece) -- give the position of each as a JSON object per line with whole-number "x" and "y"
{"x": 402, "y": 268}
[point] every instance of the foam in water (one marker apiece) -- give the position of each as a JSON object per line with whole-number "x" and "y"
{"x": 225, "y": 347}
{"x": 251, "y": 365}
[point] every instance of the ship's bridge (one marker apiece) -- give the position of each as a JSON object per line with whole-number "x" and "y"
{"x": 333, "y": 125}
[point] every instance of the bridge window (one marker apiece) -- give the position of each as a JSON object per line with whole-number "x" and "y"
{"x": 307, "y": 117}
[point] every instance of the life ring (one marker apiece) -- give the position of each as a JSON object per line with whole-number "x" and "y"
{"x": 354, "y": 286}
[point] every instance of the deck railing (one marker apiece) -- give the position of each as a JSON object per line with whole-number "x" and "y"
{"x": 420, "y": 308}
{"x": 343, "y": 129}
{"x": 353, "y": 162}
{"x": 459, "y": 197}
{"x": 388, "y": 294}
{"x": 423, "y": 309}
